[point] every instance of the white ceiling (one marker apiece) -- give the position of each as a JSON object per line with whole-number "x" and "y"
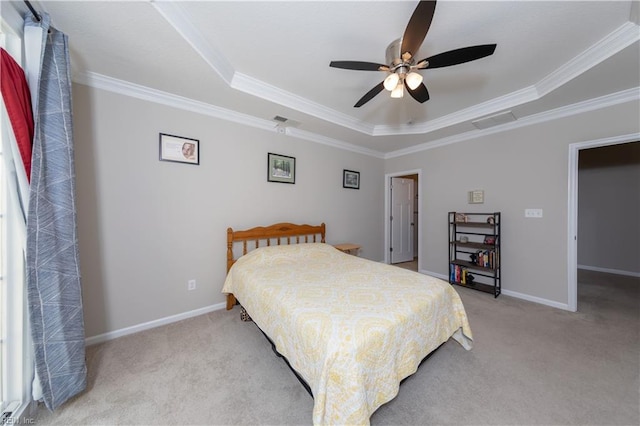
{"x": 250, "y": 61}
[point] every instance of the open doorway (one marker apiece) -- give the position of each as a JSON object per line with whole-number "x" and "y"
{"x": 403, "y": 219}
{"x": 581, "y": 224}
{"x": 608, "y": 247}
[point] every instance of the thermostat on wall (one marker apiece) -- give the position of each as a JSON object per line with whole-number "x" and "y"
{"x": 476, "y": 196}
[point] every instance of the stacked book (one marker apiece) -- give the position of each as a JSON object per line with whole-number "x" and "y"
{"x": 486, "y": 258}
{"x": 458, "y": 274}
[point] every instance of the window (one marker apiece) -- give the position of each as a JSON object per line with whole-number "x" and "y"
{"x": 16, "y": 361}
{"x": 3, "y": 287}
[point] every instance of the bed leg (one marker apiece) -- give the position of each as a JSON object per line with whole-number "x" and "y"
{"x": 231, "y": 301}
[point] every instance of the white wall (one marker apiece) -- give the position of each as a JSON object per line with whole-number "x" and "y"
{"x": 521, "y": 168}
{"x": 609, "y": 208}
{"x": 147, "y": 226}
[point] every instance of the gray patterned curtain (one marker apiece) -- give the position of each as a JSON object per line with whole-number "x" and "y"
{"x": 53, "y": 270}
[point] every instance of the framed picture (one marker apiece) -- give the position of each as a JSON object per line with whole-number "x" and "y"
{"x": 350, "y": 179}
{"x": 281, "y": 168}
{"x": 179, "y": 149}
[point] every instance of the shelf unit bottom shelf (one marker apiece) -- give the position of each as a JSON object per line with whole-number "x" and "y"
{"x": 485, "y": 288}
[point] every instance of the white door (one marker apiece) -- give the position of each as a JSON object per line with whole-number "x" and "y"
{"x": 401, "y": 220}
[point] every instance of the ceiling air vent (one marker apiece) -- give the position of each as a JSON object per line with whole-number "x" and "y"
{"x": 285, "y": 122}
{"x": 494, "y": 120}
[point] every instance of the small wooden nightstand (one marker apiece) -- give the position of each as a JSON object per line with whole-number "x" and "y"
{"x": 348, "y": 248}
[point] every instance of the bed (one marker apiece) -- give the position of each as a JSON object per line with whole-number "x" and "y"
{"x": 351, "y": 328}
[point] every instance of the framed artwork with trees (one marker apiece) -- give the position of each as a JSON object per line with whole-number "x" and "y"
{"x": 281, "y": 168}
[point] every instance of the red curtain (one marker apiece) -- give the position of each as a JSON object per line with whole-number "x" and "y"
{"x": 17, "y": 99}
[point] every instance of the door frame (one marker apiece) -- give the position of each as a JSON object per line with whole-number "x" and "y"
{"x": 387, "y": 212}
{"x": 403, "y": 221}
{"x": 572, "y": 219}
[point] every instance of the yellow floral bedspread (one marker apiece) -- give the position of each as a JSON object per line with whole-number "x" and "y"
{"x": 351, "y": 327}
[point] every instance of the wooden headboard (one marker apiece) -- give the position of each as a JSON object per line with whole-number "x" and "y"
{"x": 280, "y": 233}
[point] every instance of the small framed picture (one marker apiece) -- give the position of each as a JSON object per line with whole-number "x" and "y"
{"x": 179, "y": 149}
{"x": 350, "y": 179}
{"x": 281, "y": 168}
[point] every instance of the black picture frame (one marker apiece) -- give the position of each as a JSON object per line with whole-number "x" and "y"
{"x": 178, "y": 149}
{"x": 281, "y": 168}
{"x": 350, "y": 179}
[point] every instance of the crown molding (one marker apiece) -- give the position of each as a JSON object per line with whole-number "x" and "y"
{"x": 176, "y": 17}
{"x": 173, "y": 13}
{"x": 152, "y": 95}
{"x": 629, "y": 95}
{"x": 271, "y": 93}
{"x": 619, "y": 39}
{"x": 611, "y": 44}
{"x": 492, "y": 106}
{"x": 314, "y": 137}
{"x": 125, "y": 88}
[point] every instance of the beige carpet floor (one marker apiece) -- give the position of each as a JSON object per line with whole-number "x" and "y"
{"x": 530, "y": 365}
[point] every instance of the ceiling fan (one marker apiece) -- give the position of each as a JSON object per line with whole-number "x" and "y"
{"x": 402, "y": 65}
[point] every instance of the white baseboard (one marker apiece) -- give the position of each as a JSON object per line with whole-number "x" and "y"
{"x": 433, "y": 274}
{"x": 515, "y": 294}
{"x": 174, "y": 318}
{"x": 152, "y": 324}
{"x": 535, "y": 299}
{"x": 610, "y": 271}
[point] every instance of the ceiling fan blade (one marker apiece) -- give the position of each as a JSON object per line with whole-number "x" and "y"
{"x": 460, "y": 56}
{"x": 420, "y": 93}
{"x": 417, "y": 27}
{"x": 369, "y": 95}
{"x": 359, "y": 66}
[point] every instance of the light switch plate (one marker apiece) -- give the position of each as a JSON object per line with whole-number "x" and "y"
{"x": 535, "y": 213}
{"x": 476, "y": 196}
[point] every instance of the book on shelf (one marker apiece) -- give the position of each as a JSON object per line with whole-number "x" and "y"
{"x": 485, "y": 258}
{"x": 457, "y": 273}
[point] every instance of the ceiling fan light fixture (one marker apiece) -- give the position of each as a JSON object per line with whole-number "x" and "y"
{"x": 391, "y": 82}
{"x": 398, "y": 92}
{"x": 413, "y": 80}
{"x": 401, "y": 65}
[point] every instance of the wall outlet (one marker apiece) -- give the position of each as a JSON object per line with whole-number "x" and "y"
{"x": 191, "y": 285}
{"x": 535, "y": 213}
